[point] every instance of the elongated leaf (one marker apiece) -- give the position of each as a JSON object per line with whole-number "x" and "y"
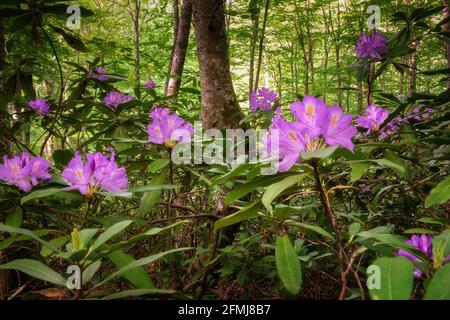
{"x": 36, "y": 269}
{"x": 395, "y": 279}
{"x": 150, "y": 198}
{"x": 317, "y": 229}
{"x": 14, "y": 218}
{"x": 110, "y": 232}
{"x": 43, "y": 193}
{"x": 320, "y": 154}
{"x": 158, "y": 164}
{"x": 138, "y": 293}
{"x": 153, "y": 187}
{"x": 438, "y": 288}
{"x": 137, "y": 276}
{"x": 28, "y": 233}
{"x": 288, "y": 264}
{"x": 440, "y": 194}
{"x": 274, "y": 190}
{"x": 140, "y": 262}
{"x": 245, "y": 213}
{"x": 248, "y": 187}
{"x": 90, "y": 271}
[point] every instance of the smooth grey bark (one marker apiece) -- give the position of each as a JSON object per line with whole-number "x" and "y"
{"x": 180, "y": 49}
{"x": 176, "y": 22}
{"x": 220, "y": 107}
{"x": 261, "y": 43}
{"x": 137, "y": 56}
{"x": 446, "y": 28}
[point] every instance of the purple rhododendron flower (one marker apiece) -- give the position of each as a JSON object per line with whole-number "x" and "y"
{"x": 115, "y": 98}
{"x": 373, "y": 118}
{"x": 310, "y": 112}
{"x": 99, "y": 73}
{"x": 373, "y": 46}
{"x": 166, "y": 128}
{"x": 337, "y": 128}
{"x": 262, "y": 99}
{"x": 423, "y": 243}
{"x": 98, "y": 172}
{"x": 150, "y": 84}
{"x": 24, "y": 171}
{"x": 316, "y": 125}
{"x": 39, "y": 105}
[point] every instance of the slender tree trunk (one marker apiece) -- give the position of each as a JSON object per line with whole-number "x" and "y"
{"x": 412, "y": 72}
{"x": 220, "y": 107}
{"x": 310, "y": 44}
{"x": 253, "y": 41}
{"x": 181, "y": 46}
{"x": 261, "y": 43}
{"x": 301, "y": 39}
{"x": 446, "y": 28}
{"x": 176, "y": 22}
{"x": 137, "y": 76}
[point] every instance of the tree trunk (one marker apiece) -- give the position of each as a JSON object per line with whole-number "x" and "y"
{"x": 179, "y": 52}
{"x": 176, "y": 22}
{"x": 137, "y": 76}
{"x": 253, "y": 40}
{"x": 261, "y": 43}
{"x": 220, "y": 107}
{"x": 446, "y": 28}
{"x": 412, "y": 71}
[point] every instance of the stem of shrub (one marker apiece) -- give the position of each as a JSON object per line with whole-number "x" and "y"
{"x": 332, "y": 220}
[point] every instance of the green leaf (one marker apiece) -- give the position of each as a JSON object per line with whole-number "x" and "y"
{"x": 62, "y": 156}
{"x": 245, "y": 213}
{"x": 438, "y": 288}
{"x": 158, "y": 164}
{"x": 233, "y": 173}
{"x": 248, "y": 187}
{"x": 440, "y": 194}
{"x": 90, "y": 271}
{"x": 138, "y": 293}
{"x": 28, "y": 233}
{"x": 140, "y": 262}
{"x": 109, "y": 233}
{"x": 396, "y": 279}
{"x": 150, "y": 198}
{"x": 154, "y": 187}
{"x": 358, "y": 170}
{"x": 419, "y": 231}
{"x": 14, "y": 218}
{"x": 57, "y": 242}
{"x": 137, "y": 276}
{"x": 320, "y": 154}
{"x": 316, "y": 229}
{"x": 36, "y": 269}
{"x": 274, "y": 190}
{"x": 288, "y": 264}
{"x": 43, "y": 193}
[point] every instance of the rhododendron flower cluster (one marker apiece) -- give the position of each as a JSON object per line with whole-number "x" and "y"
{"x": 24, "y": 171}
{"x": 316, "y": 125}
{"x": 115, "y": 98}
{"x": 423, "y": 243}
{"x": 99, "y": 73}
{"x": 262, "y": 99}
{"x": 372, "y": 47}
{"x": 150, "y": 84}
{"x": 39, "y": 105}
{"x": 167, "y": 128}
{"x": 373, "y": 118}
{"x": 96, "y": 173}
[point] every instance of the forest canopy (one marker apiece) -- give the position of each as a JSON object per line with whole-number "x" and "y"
{"x": 239, "y": 149}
